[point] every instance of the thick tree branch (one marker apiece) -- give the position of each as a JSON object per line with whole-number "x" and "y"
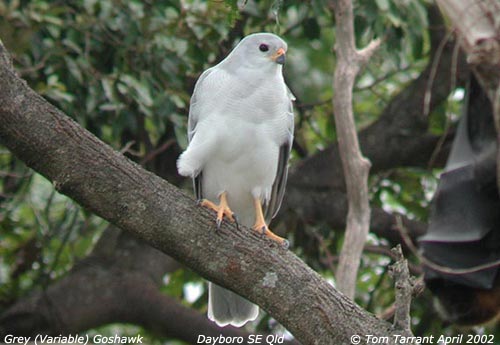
{"x": 329, "y": 206}
{"x": 108, "y": 184}
{"x": 356, "y": 167}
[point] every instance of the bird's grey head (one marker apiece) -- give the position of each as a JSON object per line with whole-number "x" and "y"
{"x": 259, "y": 50}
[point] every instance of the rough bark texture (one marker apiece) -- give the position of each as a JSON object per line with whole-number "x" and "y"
{"x": 113, "y": 187}
{"x": 404, "y": 292}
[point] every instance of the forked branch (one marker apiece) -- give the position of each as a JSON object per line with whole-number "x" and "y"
{"x": 356, "y": 167}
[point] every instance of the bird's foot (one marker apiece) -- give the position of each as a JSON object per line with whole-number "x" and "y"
{"x": 262, "y": 229}
{"x": 222, "y": 209}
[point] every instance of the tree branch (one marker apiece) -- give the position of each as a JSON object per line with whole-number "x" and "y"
{"x": 104, "y": 181}
{"x": 356, "y": 167}
{"x": 404, "y": 291}
{"x": 398, "y": 138}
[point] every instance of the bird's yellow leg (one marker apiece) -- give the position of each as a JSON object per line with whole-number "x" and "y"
{"x": 222, "y": 209}
{"x": 261, "y": 226}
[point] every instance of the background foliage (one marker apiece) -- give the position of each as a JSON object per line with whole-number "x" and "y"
{"x": 125, "y": 70}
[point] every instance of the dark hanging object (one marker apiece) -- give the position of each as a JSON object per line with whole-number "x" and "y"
{"x": 464, "y": 226}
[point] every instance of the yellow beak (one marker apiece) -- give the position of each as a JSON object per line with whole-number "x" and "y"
{"x": 279, "y": 56}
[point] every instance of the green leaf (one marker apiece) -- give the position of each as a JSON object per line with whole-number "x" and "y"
{"x": 139, "y": 90}
{"x": 383, "y": 5}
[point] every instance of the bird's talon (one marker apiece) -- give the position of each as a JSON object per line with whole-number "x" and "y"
{"x": 222, "y": 209}
{"x": 218, "y": 231}
{"x": 263, "y": 231}
{"x": 285, "y": 244}
{"x": 236, "y": 221}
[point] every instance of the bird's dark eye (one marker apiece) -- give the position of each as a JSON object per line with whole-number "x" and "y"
{"x": 263, "y": 47}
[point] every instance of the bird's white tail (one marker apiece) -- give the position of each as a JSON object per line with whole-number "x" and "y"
{"x": 227, "y": 308}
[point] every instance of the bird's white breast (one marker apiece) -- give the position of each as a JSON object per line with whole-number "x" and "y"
{"x": 250, "y": 127}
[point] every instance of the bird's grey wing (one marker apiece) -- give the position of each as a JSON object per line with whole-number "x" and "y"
{"x": 195, "y": 113}
{"x": 279, "y": 185}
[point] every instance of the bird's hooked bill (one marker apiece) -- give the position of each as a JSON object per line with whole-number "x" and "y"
{"x": 279, "y": 56}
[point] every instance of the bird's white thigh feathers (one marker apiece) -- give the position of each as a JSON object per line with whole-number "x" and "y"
{"x": 188, "y": 164}
{"x": 201, "y": 147}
